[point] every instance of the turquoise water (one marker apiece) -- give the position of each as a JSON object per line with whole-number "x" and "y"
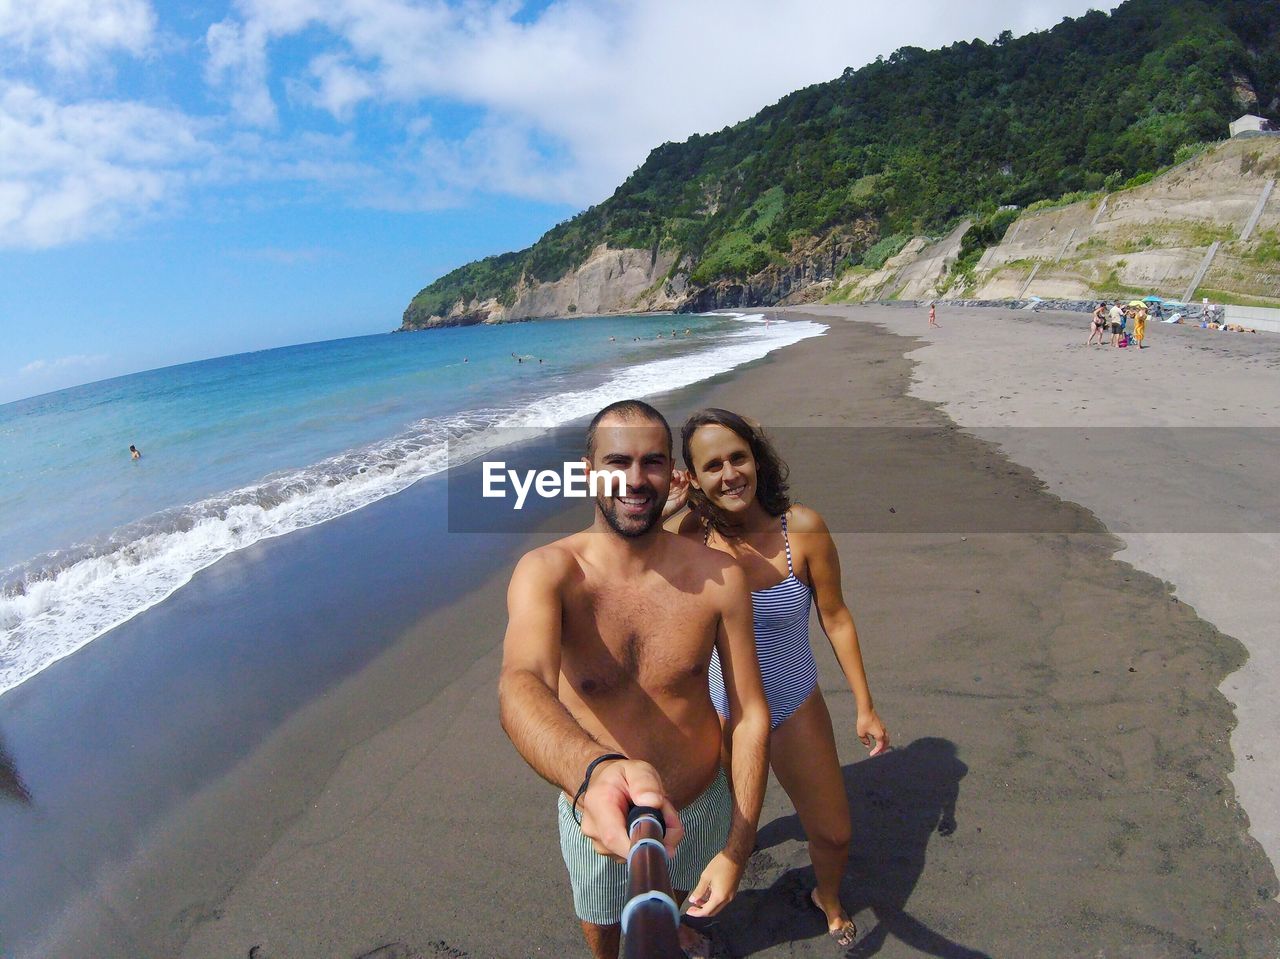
{"x": 241, "y": 448}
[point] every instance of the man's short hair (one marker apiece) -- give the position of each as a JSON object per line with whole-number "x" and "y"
{"x": 626, "y": 410}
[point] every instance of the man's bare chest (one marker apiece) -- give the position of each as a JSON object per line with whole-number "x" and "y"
{"x": 658, "y": 639}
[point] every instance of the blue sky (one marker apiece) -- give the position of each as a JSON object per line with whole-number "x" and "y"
{"x": 184, "y": 180}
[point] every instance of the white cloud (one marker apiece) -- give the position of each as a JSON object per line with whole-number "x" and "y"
{"x": 604, "y": 81}
{"x": 339, "y": 86}
{"x": 76, "y": 361}
{"x": 72, "y": 170}
{"x": 566, "y": 103}
{"x": 238, "y": 62}
{"x": 71, "y": 35}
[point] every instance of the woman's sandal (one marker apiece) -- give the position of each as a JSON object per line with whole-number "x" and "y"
{"x": 846, "y": 935}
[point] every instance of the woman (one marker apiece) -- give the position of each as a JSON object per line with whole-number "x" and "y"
{"x": 736, "y": 488}
{"x": 1140, "y": 325}
{"x": 1098, "y": 325}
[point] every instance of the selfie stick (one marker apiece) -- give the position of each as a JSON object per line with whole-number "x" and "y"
{"x": 650, "y": 917}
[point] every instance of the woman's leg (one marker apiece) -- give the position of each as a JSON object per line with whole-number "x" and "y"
{"x": 803, "y": 754}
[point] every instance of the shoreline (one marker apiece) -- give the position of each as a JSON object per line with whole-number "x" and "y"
{"x": 55, "y": 601}
{"x": 108, "y": 741}
{"x": 1002, "y": 663}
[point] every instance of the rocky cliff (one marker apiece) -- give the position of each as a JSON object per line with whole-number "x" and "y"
{"x": 802, "y": 275}
{"x": 638, "y": 281}
{"x": 816, "y": 191}
{"x": 1150, "y": 238}
{"x": 610, "y": 281}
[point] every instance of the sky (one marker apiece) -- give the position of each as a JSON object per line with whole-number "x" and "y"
{"x": 180, "y": 180}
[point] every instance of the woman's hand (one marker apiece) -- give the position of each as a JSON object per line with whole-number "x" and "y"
{"x": 716, "y": 887}
{"x": 678, "y": 496}
{"x": 871, "y": 728}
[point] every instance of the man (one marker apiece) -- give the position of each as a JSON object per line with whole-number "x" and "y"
{"x": 604, "y": 686}
{"x": 1117, "y": 323}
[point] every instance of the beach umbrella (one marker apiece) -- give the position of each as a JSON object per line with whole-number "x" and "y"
{"x": 1137, "y": 303}
{"x": 1152, "y": 299}
{"x": 650, "y": 917}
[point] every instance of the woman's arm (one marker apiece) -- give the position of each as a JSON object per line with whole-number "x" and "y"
{"x": 822, "y": 562}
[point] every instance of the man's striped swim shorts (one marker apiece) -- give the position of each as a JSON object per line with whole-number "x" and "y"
{"x": 600, "y": 883}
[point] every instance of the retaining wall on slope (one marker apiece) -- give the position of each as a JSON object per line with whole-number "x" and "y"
{"x": 1152, "y": 238}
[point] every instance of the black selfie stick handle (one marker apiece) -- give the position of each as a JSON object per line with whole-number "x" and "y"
{"x": 650, "y": 917}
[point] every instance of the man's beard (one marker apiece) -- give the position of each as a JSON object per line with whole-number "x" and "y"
{"x": 631, "y": 528}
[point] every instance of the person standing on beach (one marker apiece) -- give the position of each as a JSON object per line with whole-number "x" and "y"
{"x": 933, "y": 316}
{"x": 1140, "y": 325}
{"x": 1098, "y": 324}
{"x": 1117, "y": 323}
{"x": 736, "y": 486}
{"x": 604, "y": 687}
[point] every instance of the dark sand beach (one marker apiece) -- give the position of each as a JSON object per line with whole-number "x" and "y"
{"x": 1059, "y": 785}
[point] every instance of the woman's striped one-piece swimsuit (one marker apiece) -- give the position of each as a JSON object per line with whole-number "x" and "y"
{"x": 780, "y": 615}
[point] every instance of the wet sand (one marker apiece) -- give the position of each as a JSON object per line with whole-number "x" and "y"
{"x": 1059, "y": 787}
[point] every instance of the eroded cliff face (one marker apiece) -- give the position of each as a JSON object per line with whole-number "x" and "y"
{"x": 807, "y": 274}
{"x": 637, "y": 281}
{"x": 610, "y": 281}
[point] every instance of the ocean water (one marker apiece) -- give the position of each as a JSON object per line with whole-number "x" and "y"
{"x": 243, "y": 448}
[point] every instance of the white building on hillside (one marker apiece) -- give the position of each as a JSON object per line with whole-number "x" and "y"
{"x": 1251, "y": 124}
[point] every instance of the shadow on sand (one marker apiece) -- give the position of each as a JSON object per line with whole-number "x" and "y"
{"x": 899, "y": 801}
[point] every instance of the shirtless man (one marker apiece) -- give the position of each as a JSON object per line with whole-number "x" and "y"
{"x": 1117, "y": 323}
{"x": 606, "y": 653}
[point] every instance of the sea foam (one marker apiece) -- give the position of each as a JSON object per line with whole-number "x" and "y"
{"x": 58, "y": 602}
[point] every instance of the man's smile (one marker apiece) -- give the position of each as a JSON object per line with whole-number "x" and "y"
{"x": 636, "y": 502}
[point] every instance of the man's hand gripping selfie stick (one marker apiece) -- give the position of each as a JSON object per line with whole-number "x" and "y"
{"x": 650, "y": 917}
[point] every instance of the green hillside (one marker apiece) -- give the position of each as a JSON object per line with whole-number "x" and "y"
{"x": 912, "y": 142}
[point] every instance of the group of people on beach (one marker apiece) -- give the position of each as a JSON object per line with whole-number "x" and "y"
{"x": 661, "y": 658}
{"x": 1117, "y": 317}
